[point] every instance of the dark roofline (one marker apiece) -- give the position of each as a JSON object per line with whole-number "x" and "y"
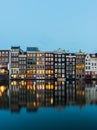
{"x": 15, "y": 47}
{"x": 4, "y": 50}
{"x": 31, "y": 49}
{"x": 23, "y": 52}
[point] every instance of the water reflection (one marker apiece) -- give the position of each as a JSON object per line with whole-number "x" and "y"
{"x": 4, "y": 98}
{"x": 40, "y": 93}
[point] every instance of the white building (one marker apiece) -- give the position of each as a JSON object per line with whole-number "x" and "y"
{"x": 14, "y": 62}
{"x": 91, "y": 66}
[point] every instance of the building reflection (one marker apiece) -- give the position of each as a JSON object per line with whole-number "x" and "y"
{"x": 4, "y": 99}
{"x": 60, "y": 93}
{"x": 31, "y": 96}
{"x": 34, "y": 94}
{"x": 70, "y": 92}
{"x": 91, "y": 93}
{"x": 80, "y": 93}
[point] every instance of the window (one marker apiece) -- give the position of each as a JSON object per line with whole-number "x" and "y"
{"x": 6, "y": 53}
{"x": 67, "y": 59}
{"x": 3, "y": 53}
{"x": 63, "y": 55}
{"x": 59, "y": 59}
{"x": 56, "y": 59}
{"x": 59, "y": 71}
{"x": 49, "y": 55}
{"x": 67, "y": 63}
{"x": 63, "y": 70}
{"x": 59, "y": 55}
{"x": 63, "y": 59}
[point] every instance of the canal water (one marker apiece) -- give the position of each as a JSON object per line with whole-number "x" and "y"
{"x": 48, "y": 105}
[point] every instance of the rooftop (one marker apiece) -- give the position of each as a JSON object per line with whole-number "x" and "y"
{"x": 30, "y": 49}
{"x": 15, "y": 47}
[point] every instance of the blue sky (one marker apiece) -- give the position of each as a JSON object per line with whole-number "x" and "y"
{"x": 49, "y": 24}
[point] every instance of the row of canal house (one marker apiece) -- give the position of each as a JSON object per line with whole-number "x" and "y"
{"x": 35, "y": 64}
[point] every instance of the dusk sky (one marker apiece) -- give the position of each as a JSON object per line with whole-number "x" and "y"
{"x": 49, "y": 24}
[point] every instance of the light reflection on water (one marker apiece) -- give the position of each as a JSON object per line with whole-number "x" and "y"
{"x": 48, "y": 105}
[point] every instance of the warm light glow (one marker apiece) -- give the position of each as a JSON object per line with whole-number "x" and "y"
{"x": 37, "y": 95}
{"x": 40, "y": 86}
{"x": 0, "y": 93}
{"x": 22, "y": 76}
{"x": 40, "y": 71}
{"x": 34, "y": 104}
{"x": 29, "y": 87}
{"x": 49, "y": 86}
{"x": 56, "y": 70}
{"x": 3, "y": 71}
{"x": 22, "y": 83}
{"x": 51, "y": 59}
{"x": 14, "y": 76}
{"x": 13, "y": 83}
{"x": 52, "y": 87}
{"x": 51, "y": 100}
{"x": 49, "y": 71}
{"x": 39, "y": 55}
{"x": 56, "y": 88}
{"x": 37, "y": 63}
{"x": 2, "y": 88}
{"x": 34, "y": 88}
{"x": 80, "y": 93}
{"x": 80, "y": 66}
{"x": 83, "y": 93}
{"x": 29, "y": 71}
